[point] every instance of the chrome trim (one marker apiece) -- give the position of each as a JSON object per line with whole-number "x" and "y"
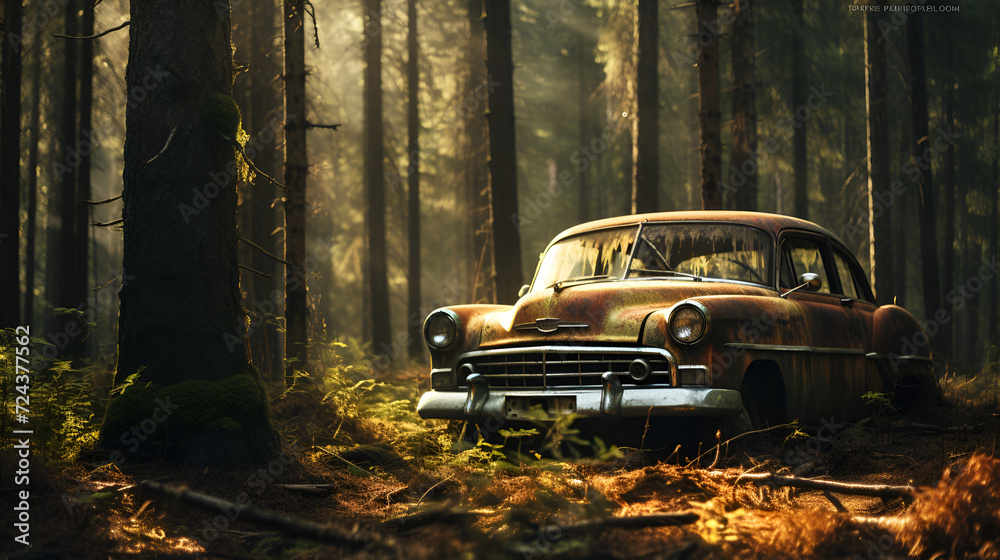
{"x": 694, "y": 402}
{"x": 793, "y": 348}
{"x": 537, "y": 324}
{"x": 454, "y": 319}
{"x": 628, "y": 353}
{"x": 908, "y": 357}
{"x": 701, "y": 308}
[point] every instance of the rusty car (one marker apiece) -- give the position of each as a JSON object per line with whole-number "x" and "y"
{"x": 739, "y": 318}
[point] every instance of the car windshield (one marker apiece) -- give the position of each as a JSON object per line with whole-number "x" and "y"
{"x": 688, "y": 251}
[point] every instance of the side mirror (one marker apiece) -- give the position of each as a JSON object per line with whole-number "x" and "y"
{"x": 524, "y": 289}
{"x": 809, "y": 281}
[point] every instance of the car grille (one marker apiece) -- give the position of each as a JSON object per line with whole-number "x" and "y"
{"x": 554, "y": 366}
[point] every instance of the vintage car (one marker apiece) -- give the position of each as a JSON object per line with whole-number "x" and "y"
{"x": 751, "y": 317}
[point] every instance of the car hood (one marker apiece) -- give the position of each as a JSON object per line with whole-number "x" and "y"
{"x": 601, "y": 312}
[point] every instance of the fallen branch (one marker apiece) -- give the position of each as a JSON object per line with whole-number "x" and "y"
{"x": 97, "y": 36}
{"x": 291, "y": 525}
{"x": 314, "y": 489}
{"x": 872, "y": 490}
{"x": 672, "y": 519}
{"x": 433, "y": 515}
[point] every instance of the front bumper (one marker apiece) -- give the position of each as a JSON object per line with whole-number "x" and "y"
{"x": 610, "y": 401}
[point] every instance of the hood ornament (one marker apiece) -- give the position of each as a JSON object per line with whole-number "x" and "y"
{"x": 549, "y": 324}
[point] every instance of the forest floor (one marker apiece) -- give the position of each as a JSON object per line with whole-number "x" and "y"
{"x": 406, "y": 492}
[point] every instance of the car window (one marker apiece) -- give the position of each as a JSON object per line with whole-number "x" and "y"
{"x": 847, "y": 286}
{"x": 725, "y": 251}
{"x": 805, "y": 256}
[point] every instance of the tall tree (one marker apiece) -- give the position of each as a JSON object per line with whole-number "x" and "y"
{"x": 645, "y": 123}
{"x": 296, "y": 172}
{"x": 378, "y": 276}
{"x": 876, "y": 109}
{"x": 799, "y": 92}
{"x": 10, "y": 166}
{"x": 480, "y": 232}
{"x": 180, "y": 302}
{"x": 744, "y": 106}
{"x": 503, "y": 158}
{"x": 413, "y": 180}
{"x": 920, "y": 142}
{"x": 266, "y": 103}
{"x": 708, "y": 104}
{"x": 948, "y": 163}
{"x": 583, "y": 118}
{"x": 82, "y": 221}
{"x": 31, "y": 229}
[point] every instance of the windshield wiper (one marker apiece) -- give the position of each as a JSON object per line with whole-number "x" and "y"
{"x": 560, "y": 285}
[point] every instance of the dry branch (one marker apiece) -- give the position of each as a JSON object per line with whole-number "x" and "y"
{"x": 101, "y": 201}
{"x": 250, "y": 514}
{"x": 263, "y": 250}
{"x": 316, "y": 125}
{"x": 672, "y": 519}
{"x": 255, "y": 271}
{"x": 433, "y": 515}
{"x": 109, "y": 224}
{"x": 250, "y": 162}
{"x": 98, "y": 35}
{"x": 873, "y": 490}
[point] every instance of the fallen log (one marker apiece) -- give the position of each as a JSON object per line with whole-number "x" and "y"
{"x": 324, "y": 533}
{"x": 433, "y": 515}
{"x": 872, "y": 490}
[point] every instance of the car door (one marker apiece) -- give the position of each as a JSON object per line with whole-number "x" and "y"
{"x": 831, "y": 348}
{"x": 857, "y": 298}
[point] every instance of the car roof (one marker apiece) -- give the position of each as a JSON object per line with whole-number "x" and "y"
{"x": 771, "y": 223}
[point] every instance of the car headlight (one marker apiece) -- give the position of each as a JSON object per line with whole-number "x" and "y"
{"x": 688, "y": 322}
{"x": 441, "y": 328}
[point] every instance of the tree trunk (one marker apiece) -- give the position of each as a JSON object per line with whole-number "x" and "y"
{"x": 10, "y": 166}
{"x": 378, "y": 280}
{"x": 928, "y": 231}
{"x": 708, "y": 106}
{"x": 477, "y": 178}
{"x": 70, "y": 285}
{"x": 265, "y": 111}
{"x": 413, "y": 319}
{"x": 744, "y": 161}
{"x": 799, "y": 91}
{"x": 296, "y": 172}
{"x": 645, "y": 129}
{"x": 82, "y": 225}
{"x": 878, "y": 161}
{"x": 994, "y": 233}
{"x": 31, "y": 232}
{"x": 948, "y": 329}
{"x": 583, "y": 112}
{"x": 503, "y": 157}
{"x": 180, "y": 320}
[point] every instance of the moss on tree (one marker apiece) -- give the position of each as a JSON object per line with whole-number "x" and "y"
{"x": 197, "y": 421}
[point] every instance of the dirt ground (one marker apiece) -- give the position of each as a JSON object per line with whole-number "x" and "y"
{"x": 383, "y": 505}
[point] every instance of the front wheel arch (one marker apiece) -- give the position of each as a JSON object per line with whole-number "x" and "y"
{"x": 764, "y": 399}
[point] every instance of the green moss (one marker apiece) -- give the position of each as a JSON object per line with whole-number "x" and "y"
{"x": 156, "y": 418}
{"x": 221, "y": 113}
